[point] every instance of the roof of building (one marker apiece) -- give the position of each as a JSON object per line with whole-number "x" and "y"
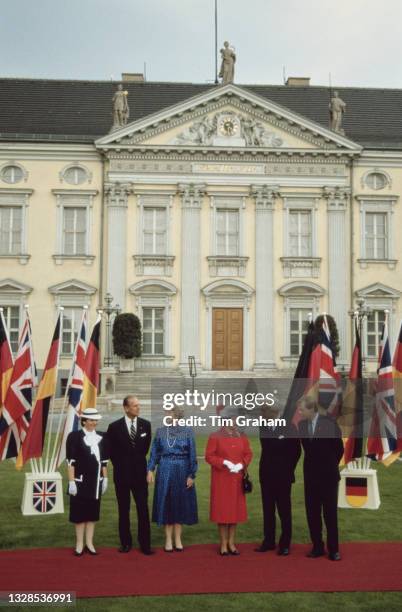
{"x": 81, "y": 111}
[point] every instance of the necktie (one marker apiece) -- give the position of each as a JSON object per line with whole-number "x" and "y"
{"x": 132, "y": 433}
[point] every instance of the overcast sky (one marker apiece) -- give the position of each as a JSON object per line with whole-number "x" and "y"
{"x": 358, "y": 41}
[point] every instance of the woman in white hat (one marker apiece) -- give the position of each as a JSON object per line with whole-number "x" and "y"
{"x": 87, "y": 458}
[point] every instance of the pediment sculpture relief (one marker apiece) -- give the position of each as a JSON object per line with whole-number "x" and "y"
{"x": 252, "y": 133}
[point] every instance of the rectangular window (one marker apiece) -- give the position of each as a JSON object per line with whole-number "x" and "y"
{"x": 374, "y": 330}
{"x": 376, "y": 235}
{"x": 153, "y": 331}
{"x": 300, "y": 234}
{"x": 155, "y": 231}
{"x": 12, "y": 320}
{"x": 10, "y": 230}
{"x": 298, "y": 329}
{"x": 70, "y": 329}
{"x": 227, "y": 232}
{"x": 74, "y": 230}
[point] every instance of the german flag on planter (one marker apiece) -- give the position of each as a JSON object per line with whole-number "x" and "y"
{"x": 356, "y": 491}
{"x": 91, "y": 369}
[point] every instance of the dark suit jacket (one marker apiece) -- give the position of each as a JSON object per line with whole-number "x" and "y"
{"x": 129, "y": 463}
{"x": 322, "y": 452}
{"x": 280, "y": 452}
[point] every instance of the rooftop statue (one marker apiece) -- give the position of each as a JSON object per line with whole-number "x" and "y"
{"x": 227, "y": 66}
{"x": 337, "y": 108}
{"x": 121, "y": 111}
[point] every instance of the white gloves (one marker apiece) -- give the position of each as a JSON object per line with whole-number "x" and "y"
{"x": 104, "y": 485}
{"x": 72, "y": 488}
{"x": 234, "y": 468}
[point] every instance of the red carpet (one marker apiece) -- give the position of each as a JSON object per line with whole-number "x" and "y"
{"x": 199, "y": 569}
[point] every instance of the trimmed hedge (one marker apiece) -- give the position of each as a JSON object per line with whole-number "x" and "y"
{"x": 127, "y": 337}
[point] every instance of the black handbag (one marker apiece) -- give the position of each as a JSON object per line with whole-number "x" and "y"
{"x": 247, "y": 484}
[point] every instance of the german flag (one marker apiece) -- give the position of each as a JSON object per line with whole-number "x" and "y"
{"x": 356, "y": 491}
{"x": 33, "y": 444}
{"x": 351, "y": 420}
{"x": 91, "y": 369}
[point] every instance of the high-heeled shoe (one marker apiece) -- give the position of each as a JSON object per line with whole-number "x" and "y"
{"x": 234, "y": 552}
{"x": 179, "y": 548}
{"x": 168, "y": 549}
{"x": 223, "y": 553}
{"x": 77, "y": 553}
{"x": 91, "y": 552}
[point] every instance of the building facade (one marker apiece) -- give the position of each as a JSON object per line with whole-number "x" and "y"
{"x": 221, "y": 216}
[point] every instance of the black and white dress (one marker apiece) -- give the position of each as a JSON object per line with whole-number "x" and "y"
{"x": 87, "y": 453}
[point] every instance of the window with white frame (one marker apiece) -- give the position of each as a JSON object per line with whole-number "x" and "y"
{"x": 374, "y": 327}
{"x": 12, "y": 174}
{"x": 11, "y": 220}
{"x": 227, "y": 232}
{"x": 12, "y": 320}
{"x": 75, "y": 175}
{"x": 376, "y": 235}
{"x": 153, "y": 330}
{"x": 70, "y": 329}
{"x": 376, "y": 229}
{"x": 154, "y": 230}
{"x": 298, "y": 325}
{"x": 300, "y": 233}
{"x": 74, "y": 241}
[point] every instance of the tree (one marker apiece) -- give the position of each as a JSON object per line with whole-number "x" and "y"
{"x": 127, "y": 337}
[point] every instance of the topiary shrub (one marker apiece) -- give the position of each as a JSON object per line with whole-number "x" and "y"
{"x": 127, "y": 337}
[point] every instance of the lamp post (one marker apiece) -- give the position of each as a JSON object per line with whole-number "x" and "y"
{"x": 110, "y": 312}
{"x": 361, "y": 312}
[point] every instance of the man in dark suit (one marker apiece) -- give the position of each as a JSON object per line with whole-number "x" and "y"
{"x": 129, "y": 439}
{"x": 280, "y": 452}
{"x": 323, "y": 449}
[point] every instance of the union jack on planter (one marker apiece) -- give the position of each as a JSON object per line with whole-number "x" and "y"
{"x": 382, "y": 439}
{"x": 44, "y": 495}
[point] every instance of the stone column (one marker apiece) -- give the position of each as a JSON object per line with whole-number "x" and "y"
{"x": 116, "y": 205}
{"x": 192, "y": 195}
{"x": 264, "y": 276}
{"x": 338, "y": 264}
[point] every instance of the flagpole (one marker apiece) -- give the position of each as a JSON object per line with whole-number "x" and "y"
{"x": 58, "y": 442}
{"x": 51, "y": 411}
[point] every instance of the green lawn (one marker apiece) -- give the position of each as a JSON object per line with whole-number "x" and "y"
{"x": 17, "y": 531}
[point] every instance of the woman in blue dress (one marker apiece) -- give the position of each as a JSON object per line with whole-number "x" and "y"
{"x": 175, "y": 502}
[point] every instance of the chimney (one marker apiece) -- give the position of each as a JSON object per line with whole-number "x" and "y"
{"x": 137, "y": 77}
{"x": 298, "y": 82}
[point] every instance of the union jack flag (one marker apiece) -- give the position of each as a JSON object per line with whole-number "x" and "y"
{"x": 382, "y": 439}
{"x": 324, "y": 378}
{"x": 18, "y": 400}
{"x": 44, "y": 495}
{"x": 75, "y": 387}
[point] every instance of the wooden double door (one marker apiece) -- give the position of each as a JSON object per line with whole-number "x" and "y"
{"x": 227, "y": 338}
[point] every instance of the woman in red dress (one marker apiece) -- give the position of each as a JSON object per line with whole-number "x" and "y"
{"x": 228, "y": 452}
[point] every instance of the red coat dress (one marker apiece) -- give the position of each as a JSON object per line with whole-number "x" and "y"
{"x": 228, "y": 502}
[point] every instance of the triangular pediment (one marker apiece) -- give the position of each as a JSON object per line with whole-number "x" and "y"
{"x": 72, "y": 287}
{"x": 227, "y": 117}
{"x": 10, "y": 286}
{"x": 378, "y": 290}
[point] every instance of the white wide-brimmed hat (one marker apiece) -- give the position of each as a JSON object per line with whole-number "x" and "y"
{"x": 91, "y": 413}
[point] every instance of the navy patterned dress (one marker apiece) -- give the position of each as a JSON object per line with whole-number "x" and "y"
{"x": 173, "y": 451}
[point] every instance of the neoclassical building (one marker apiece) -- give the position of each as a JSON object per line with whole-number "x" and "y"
{"x": 221, "y": 215}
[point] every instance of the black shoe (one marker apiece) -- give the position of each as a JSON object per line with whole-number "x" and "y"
{"x": 314, "y": 554}
{"x": 78, "y": 554}
{"x": 148, "y": 552}
{"x": 234, "y": 552}
{"x": 177, "y": 549}
{"x": 334, "y": 556}
{"x": 283, "y": 552}
{"x": 125, "y": 548}
{"x": 168, "y": 549}
{"x": 265, "y": 547}
{"x": 223, "y": 553}
{"x": 91, "y": 552}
